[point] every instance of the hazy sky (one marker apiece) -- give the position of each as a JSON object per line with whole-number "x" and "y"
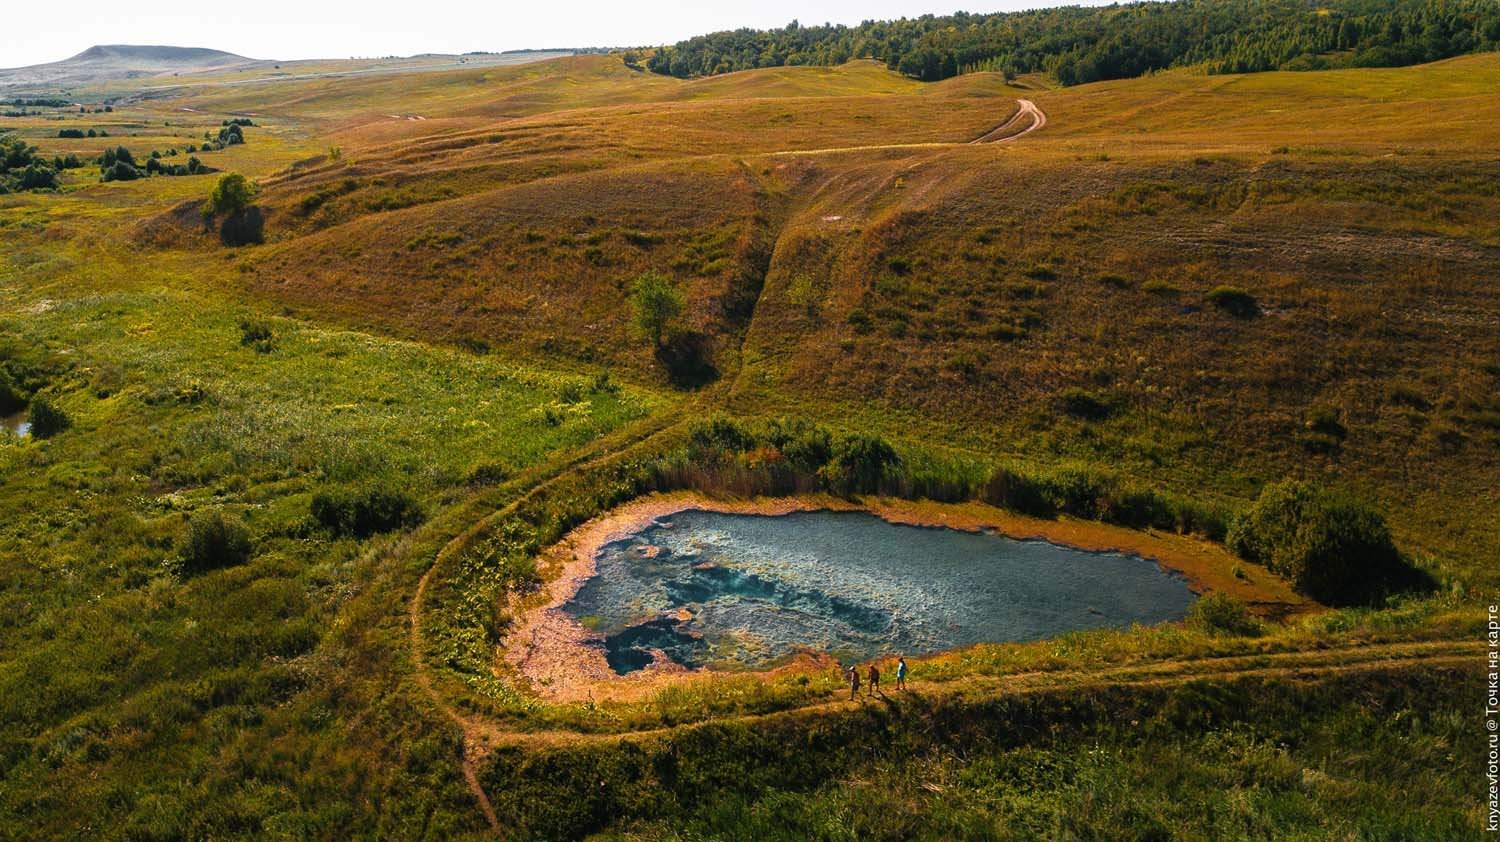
{"x": 284, "y": 29}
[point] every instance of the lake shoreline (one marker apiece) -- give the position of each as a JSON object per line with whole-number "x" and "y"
{"x": 560, "y": 659}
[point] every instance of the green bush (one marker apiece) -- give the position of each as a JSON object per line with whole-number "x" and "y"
{"x": 121, "y": 171}
{"x": 361, "y": 513}
{"x": 1329, "y": 545}
{"x": 860, "y": 465}
{"x": 1234, "y": 301}
{"x": 214, "y": 540}
{"x": 1219, "y": 613}
{"x": 46, "y": 419}
{"x": 656, "y": 303}
{"x": 232, "y": 193}
{"x": 257, "y": 335}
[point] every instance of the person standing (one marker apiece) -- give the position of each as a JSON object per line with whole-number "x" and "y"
{"x": 853, "y": 682}
{"x": 874, "y": 679}
{"x": 901, "y": 673}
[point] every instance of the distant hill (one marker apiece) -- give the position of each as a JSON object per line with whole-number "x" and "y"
{"x": 121, "y": 61}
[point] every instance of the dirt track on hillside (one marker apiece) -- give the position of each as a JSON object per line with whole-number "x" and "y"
{"x": 1027, "y": 109}
{"x": 1002, "y": 133}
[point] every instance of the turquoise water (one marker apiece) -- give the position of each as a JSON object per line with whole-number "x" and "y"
{"x": 707, "y": 588}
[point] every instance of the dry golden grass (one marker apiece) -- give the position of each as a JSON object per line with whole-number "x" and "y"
{"x": 1357, "y": 207}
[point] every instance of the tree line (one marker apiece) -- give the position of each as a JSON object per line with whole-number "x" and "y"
{"x": 1078, "y": 45}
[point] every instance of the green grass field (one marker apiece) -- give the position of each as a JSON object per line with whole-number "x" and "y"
{"x": 441, "y": 310}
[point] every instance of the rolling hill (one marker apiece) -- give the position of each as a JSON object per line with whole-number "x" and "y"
{"x": 260, "y": 575}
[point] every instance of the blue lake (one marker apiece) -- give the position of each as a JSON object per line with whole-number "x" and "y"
{"x": 705, "y": 588}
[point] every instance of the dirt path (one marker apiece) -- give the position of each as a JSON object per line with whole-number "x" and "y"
{"x": 1003, "y": 132}
{"x": 1295, "y": 664}
{"x": 479, "y": 735}
{"x": 1027, "y": 109}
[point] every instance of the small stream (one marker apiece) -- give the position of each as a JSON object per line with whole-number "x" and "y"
{"x": 712, "y": 589}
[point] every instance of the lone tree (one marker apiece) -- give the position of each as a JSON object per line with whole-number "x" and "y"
{"x": 243, "y": 223}
{"x": 657, "y": 302}
{"x": 232, "y": 194}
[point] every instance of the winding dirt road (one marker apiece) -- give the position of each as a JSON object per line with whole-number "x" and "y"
{"x": 1002, "y": 132}
{"x": 1027, "y": 109}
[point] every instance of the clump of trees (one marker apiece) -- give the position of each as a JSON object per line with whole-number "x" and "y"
{"x": 1328, "y": 544}
{"x": 120, "y": 164}
{"x": 1079, "y": 45}
{"x": 232, "y": 134}
{"x": 783, "y": 456}
{"x": 22, "y": 168}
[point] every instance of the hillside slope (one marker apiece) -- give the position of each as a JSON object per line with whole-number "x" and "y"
{"x": 911, "y": 275}
{"x": 260, "y": 564}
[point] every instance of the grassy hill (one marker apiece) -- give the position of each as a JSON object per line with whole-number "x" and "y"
{"x": 1185, "y": 286}
{"x": 971, "y": 285}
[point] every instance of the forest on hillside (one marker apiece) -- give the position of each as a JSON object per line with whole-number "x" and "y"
{"x": 1079, "y": 45}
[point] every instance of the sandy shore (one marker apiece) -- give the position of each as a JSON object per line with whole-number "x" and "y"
{"x": 562, "y": 661}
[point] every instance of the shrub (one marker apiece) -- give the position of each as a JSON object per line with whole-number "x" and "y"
{"x": 489, "y": 473}
{"x": 70, "y": 133}
{"x": 1403, "y": 394}
{"x": 656, "y": 303}
{"x": 257, "y": 335}
{"x": 1325, "y": 432}
{"x": 231, "y": 193}
{"x": 47, "y": 420}
{"x": 1329, "y": 545}
{"x": 365, "y": 512}
{"x": 722, "y": 436}
{"x": 860, "y": 465}
{"x": 121, "y": 171}
{"x": 1219, "y": 613}
{"x": 214, "y": 540}
{"x": 1234, "y": 301}
{"x": 1326, "y": 421}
